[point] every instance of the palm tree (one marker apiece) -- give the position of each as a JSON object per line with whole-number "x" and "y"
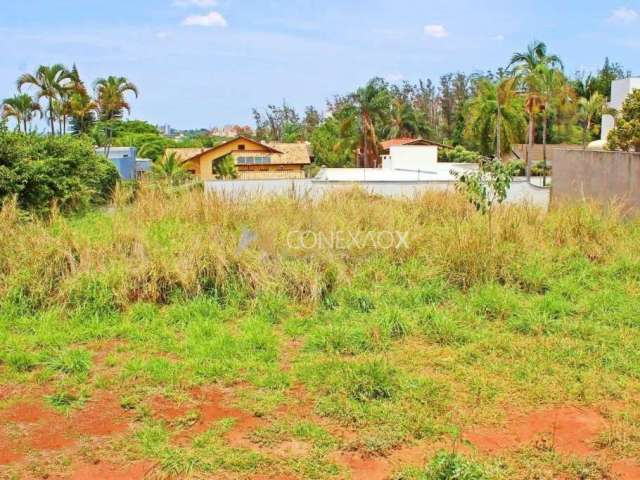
{"x": 588, "y": 110}
{"x": 371, "y": 104}
{"x": 111, "y": 98}
{"x": 82, "y": 110}
{"x": 554, "y": 90}
{"x": 50, "y": 82}
{"x": 535, "y": 55}
{"x": 169, "y": 170}
{"x": 527, "y": 66}
{"x": 22, "y": 108}
{"x": 403, "y": 121}
{"x": 496, "y": 116}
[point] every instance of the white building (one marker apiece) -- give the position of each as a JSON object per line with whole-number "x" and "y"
{"x": 402, "y": 160}
{"x": 620, "y": 90}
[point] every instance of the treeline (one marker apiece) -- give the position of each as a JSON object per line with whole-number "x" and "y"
{"x": 533, "y": 100}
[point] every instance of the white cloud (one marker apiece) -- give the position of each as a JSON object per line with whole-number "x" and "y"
{"x": 436, "y": 31}
{"x": 195, "y": 3}
{"x": 212, "y": 19}
{"x": 499, "y": 37}
{"x": 624, "y": 15}
{"x": 163, "y": 35}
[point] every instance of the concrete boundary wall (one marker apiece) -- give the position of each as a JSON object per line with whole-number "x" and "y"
{"x": 596, "y": 175}
{"x": 521, "y": 190}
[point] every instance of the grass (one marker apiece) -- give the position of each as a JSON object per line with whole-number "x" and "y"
{"x": 153, "y": 297}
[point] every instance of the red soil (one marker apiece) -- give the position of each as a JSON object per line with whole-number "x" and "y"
{"x": 364, "y": 468}
{"x": 110, "y": 471}
{"x": 103, "y": 416}
{"x": 569, "y": 430}
{"x": 33, "y": 427}
{"x": 166, "y": 409}
{"x": 627, "y": 469}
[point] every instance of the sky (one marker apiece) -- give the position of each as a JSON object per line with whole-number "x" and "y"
{"x": 206, "y": 63}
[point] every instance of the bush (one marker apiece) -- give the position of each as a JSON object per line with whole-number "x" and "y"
{"x": 458, "y": 154}
{"x": 451, "y": 466}
{"x": 42, "y": 170}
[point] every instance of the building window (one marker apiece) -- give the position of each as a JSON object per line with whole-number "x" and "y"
{"x": 253, "y": 160}
{"x": 241, "y": 147}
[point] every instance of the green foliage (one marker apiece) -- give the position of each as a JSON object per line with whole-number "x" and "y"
{"x": 626, "y": 134}
{"x": 458, "y": 154}
{"x": 41, "y": 171}
{"x": 487, "y": 186}
{"x": 169, "y": 170}
{"x": 327, "y": 146}
{"x": 225, "y": 168}
{"x": 452, "y": 466}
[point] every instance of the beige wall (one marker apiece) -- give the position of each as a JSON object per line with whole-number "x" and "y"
{"x": 598, "y": 175}
{"x": 536, "y": 152}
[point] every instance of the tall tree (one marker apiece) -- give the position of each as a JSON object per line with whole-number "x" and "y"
{"x": 22, "y": 108}
{"x": 588, "y": 110}
{"x": 554, "y": 91}
{"x": 111, "y": 95}
{"x": 50, "y": 82}
{"x": 496, "y": 116}
{"x": 527, "y": 66}
{"x": 371, "y": 106}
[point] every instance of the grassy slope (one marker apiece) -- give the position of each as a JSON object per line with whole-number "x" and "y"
{"x": 397, "y": 346}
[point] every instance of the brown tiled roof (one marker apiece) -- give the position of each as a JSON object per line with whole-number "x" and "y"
{"x": 184, "y": 154}
{"x": 292, "y": 153}
{"x": 396, "y": 141}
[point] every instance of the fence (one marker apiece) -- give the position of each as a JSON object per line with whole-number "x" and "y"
{"x": 598, "y": 175}
{"x": 520, "y": 191}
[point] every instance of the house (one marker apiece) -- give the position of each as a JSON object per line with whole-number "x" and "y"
{"x": 254, "y": 160}
{"x": 123, "y": 158}
{"x": 620, "y": 90}
{"x": 409, "y": 153}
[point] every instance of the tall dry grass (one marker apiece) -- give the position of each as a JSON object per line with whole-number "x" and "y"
{"x": 161, "y": 244}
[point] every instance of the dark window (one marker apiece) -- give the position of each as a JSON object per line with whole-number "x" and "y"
{"x": 241, "y": 147}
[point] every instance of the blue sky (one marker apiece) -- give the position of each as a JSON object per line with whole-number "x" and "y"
{"x": 202, "y": 63}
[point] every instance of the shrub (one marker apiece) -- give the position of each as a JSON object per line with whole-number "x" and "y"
{"x": 41, "y": 171}
{"x": 451, "y": 466}
{"x": 458, "y": 154}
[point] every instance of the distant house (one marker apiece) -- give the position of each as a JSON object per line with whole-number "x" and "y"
{"x": 254, "y": 160}
{"x": 396, "y": 152}
{"x": 124, "y": 159}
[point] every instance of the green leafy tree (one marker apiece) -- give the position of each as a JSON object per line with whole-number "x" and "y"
{"x": 41, "y": 171}
{"x": 626, "y": 134}
{"x": 554, "y": 92}
{"x": 225, "y": 168}
{"x": 589, "y": 109}
{"x": 111, "y": 95}
{"x": 50, "y": 83}
{"x": 495, "y": 116}
{"x": 329, "y": 146}
{"x": 22, "y": 108}
{"x": 486, "y": 187}
{"x": 370, "y": 107}
{"x": 169, "y": 170}
{"x": 527, "y": 66}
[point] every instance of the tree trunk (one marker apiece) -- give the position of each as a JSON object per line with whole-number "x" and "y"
{"x": 498, "y": 149}
{"x": 544, "y": 149}
{"x": 51, "y": 119}
{"x": 530, "y": 147}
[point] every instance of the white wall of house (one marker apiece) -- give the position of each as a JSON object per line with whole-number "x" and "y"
{"x": 620, "y": 89}
{"x": 411, "y": 157}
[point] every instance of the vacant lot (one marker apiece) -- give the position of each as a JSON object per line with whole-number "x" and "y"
{"x": 178, "y": 336}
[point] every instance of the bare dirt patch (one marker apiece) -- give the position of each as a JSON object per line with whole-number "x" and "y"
{"x": 568, "y": 430}
{"x": 628, "y": 469}
{"x": 364, "y": 467}
{"x": 110, "y": 471}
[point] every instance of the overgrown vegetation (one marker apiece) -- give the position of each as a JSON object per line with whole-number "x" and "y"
{"x": 395, "y": 347}
{"x": 43, "y": 171}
